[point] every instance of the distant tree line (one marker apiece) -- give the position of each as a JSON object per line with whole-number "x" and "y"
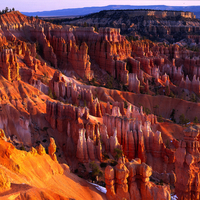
{"x": 147, "y": 10}
{"x": 6, "y": 10}
{"x": 57, "y": 20}
{"x": 122, "y": 10}
{"x": 60, "y": 21}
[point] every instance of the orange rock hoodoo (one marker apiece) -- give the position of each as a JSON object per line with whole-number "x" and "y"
{"x": 9, "y": 67}
{"x": 187, "y": 163}
{"x": 130, "y": 131}
{"x": 108, "y": 48}
{"x": 87, "y": 121}
{"x": 138, "y": 185}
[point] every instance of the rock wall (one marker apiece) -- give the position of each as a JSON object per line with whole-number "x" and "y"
{"x": 187, "y": 163}
{"x": 193, "y": 85}
{"x": 138, "y": 140}
{"x": 131, "y": 181}
{"x": 129, "y": 131}
{"x": 9, "y": 66}
{"x": 90, "y": 148}
{"x": 73, "y": 48}
{"x": 106, "y": 48}
{"x": 134, "y": 83}
{"x": 80, "y": 60}
{"x": 69, "y": 91}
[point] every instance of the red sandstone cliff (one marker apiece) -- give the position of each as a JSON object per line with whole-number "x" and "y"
{"x": 81, "y": 118}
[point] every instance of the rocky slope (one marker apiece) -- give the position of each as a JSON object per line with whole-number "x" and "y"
{"x": 35, "y": 175}
{"x": 46, "y": 77}
{"x": 155, "y": 25}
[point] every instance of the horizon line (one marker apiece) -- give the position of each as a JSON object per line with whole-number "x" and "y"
{"x": 107, "y": 6}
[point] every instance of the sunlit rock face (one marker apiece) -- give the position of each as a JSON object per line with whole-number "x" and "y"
{"x": 187, "y": 162}
{"x": 130, "y": 180}
{"x": 50, "y": 108}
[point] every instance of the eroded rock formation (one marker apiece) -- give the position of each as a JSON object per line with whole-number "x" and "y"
{"x": 9, "y": 67}
{"x": 52, "y": 149}
{"x": 187, "y": 163}
{"x": 131, "y": 181}
{"x": 87, "y": 121}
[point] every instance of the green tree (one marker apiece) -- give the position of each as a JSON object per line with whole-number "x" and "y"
{"x": 110, "y": 82}
{"x": 6, "y": 9}
{"x": 172, "y": 116}
{"x": 146, "y": 110}
{"x": 196, "y": 121}
{"x": 167, "y": 90}
{"x": 160, "y": 118}
{"x": 85, "y": 24}
{"x": 172, "y": 94}
{"x": 118, "y": 153}
{"x": 50, "y": 94}
{"x": 167, "y": 144}
{"x": 22, "y": 148}
{"x": 156, "y": 109}
{"x": 105, "y": 156}
{"x": 85, "y": 103}
{"x": 95, "y": 169}
{"x": 125, "y": 104}
{"x": 193, "y": 98}
{"x": 183, "y": 119}
{"x": 39, "y": 49}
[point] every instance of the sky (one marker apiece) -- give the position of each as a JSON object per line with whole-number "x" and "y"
{"x": 47, "y": 5}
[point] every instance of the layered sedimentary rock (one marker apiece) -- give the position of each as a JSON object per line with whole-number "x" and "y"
{"x": 90, "y": 149}
{"x": 58, "y": 45}
{"x": 131, "y": 181}
{"x": 31, "y": 62}
{"x": 58, "y": 114}
{"x": 9, "y": 66}
{"x": 117, "y": 177}
{"x": 193, "y": 85}
{"x": 150, "y": 23}
{"x": 138, "y": 140}
{"x": 134, "y": 137}
{"x": 187, "y": 163}
{"x": 80, "y": 60}
{"x": 121, "y": 131}
{"x": 130, "y": 131}
{"x": 77, "y": 95}
{"x": 82, "y": 149}
{"x": 90, "y": 126}
{"x": 107, "y": 47}
{"x": 67, "y": 47}
{"x": 134, "y": 83}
